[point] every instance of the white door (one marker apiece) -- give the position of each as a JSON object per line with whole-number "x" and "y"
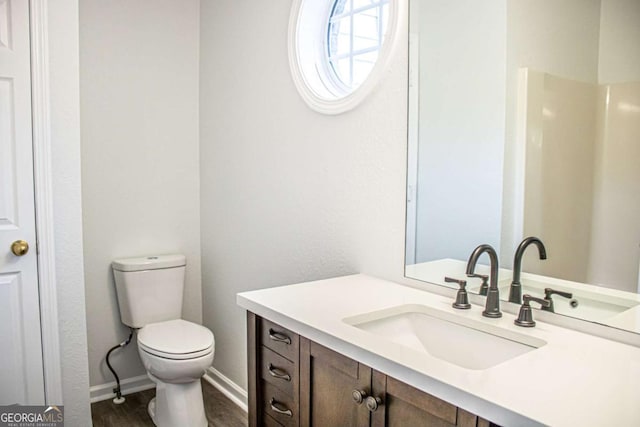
{"x": 21, "y": 370}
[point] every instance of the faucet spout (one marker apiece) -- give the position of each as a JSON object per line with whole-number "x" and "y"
{"x": 515, "y": 290}
{"x": 492, "y": 306}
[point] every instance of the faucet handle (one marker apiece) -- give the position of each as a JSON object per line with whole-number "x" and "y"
{"x": 547, "y": 296}
{"x": 460, "y": 282}
{"x": 525, "y": 316}
{"x": 484, "y": 288}
{"x": 462, "y": 298}
{"x": 548, "y": 292}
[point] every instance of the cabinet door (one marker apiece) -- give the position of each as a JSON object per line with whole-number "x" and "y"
{"x": 403, "y": 405}
{"x": 327, "y": 382}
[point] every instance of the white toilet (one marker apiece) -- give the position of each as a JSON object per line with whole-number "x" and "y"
{"x": 175, "y": 353}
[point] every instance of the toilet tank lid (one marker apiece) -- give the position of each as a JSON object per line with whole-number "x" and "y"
{"x": 151, "y": 262}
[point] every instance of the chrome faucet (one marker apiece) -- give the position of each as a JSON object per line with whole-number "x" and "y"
{"x": 492, "y": 306}
{"x": 515, "y": 290}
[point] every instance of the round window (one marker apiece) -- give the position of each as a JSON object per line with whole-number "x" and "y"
{"x": 338, "y": 49}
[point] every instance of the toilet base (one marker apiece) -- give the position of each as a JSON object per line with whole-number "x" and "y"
{"x": 177, "y": 405}
{"x": 151, "y": 409}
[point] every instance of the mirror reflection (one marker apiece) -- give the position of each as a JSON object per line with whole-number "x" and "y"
{"x": 524, "y": 120}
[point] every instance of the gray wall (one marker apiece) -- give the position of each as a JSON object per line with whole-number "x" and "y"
{"x": 287, "y": 194}
{"x": 140, "y": 179}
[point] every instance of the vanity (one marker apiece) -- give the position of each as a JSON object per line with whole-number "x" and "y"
{"x": 351, "y": 351}
{"x": 520, "y": 128}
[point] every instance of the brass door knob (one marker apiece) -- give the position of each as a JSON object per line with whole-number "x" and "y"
{"x": 19, "y": 248}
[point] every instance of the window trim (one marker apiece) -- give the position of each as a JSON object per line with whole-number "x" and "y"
{"x": 306, "y": 54}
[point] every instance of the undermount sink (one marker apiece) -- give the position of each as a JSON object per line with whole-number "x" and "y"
{"x": 457, "y": 340}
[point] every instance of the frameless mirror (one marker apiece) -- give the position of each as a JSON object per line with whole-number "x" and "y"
{"x": 524, "y": 120}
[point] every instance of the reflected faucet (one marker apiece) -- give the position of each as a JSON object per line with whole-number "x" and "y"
{"x": 547, "y": 296}
{"x": 515, "y": 290}
{"x": 492, "y": 306}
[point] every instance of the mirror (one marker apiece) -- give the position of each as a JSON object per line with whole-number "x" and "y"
{"x": 524, "y": 120}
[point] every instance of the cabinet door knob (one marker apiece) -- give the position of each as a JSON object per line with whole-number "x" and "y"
{"x": 358, "y": 396}
{"x": 20, "y": 247}
{"x": 373, "y": 403}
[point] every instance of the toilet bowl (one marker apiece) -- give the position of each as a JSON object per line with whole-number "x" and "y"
{"x": 176, "y": 354}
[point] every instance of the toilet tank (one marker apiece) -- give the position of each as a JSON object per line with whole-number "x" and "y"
{"x": 149, "y": 288}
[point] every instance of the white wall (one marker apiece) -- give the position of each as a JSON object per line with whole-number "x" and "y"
{"x": 65, "y": 149}
{"x": 288, "y": 195}
{"x": 140, "y": 180}
{"x": 461, "y": 145}
{"x": 619, "y": 60}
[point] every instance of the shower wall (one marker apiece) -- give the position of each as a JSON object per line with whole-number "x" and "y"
{"x": 558, "y": 199}
{"x": 582, "y": 175}
{"x": 615, "y": 239}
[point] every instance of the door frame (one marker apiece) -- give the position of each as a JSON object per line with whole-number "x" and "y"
{"x": 43, "y": 198}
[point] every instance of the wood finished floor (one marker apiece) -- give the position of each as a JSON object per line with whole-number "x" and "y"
{"x": 221, "y": 412}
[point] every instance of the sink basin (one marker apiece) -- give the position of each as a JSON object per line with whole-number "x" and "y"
{"x": 454, "y": 339}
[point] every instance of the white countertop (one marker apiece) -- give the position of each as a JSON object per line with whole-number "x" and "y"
{"x": 574, "y": 380}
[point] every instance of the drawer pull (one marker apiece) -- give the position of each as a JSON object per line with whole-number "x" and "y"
{"x": 274, "y": 407}
{"x": 278, "y": 373}
{"x": 278, "y": 337}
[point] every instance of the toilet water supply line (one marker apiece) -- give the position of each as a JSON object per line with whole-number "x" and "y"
{"x": 118, "y": 399}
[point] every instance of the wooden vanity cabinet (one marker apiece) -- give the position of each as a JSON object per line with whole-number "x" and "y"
{"x": 274, "y": 374}
{"x": 329, "y": 380}
{"x": 325, "y": 387}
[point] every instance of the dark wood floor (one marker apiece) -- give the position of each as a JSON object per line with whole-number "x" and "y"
{"x": 221, "y": 412}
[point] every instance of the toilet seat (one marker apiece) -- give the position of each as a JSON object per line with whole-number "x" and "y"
{"x": 176, "y": 339}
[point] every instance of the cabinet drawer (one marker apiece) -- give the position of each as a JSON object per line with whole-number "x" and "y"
{"x": 279, "y": 339}
{"x": 279, "y": 371}
{"x": 279, "y": 405}
{"x": 267, "y": 421}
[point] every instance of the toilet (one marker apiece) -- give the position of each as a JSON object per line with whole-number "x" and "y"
{"x": 176, "y": 353}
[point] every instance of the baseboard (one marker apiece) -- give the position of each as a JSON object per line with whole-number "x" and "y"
{"x": 101, "y": 392}
{"x": 227, "y": 387}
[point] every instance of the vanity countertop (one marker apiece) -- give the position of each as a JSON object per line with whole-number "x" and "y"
{"x": 574, "y": 380}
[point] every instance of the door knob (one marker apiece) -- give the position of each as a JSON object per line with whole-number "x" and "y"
{"x": 19, "y": 248}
